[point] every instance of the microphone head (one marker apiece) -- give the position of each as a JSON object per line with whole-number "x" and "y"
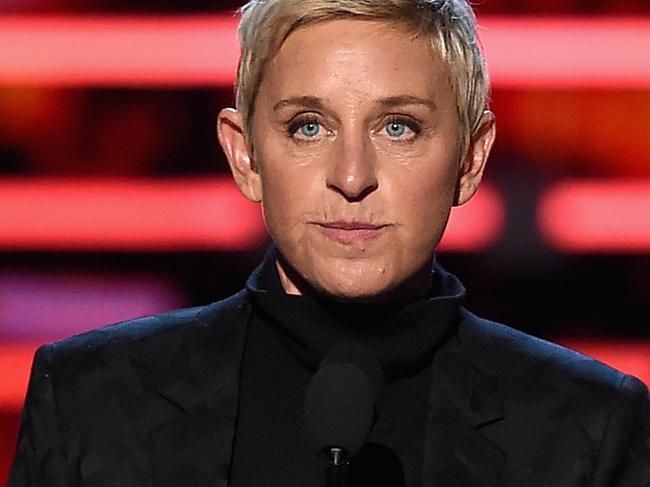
{"x": 342, "y": 399}
{"x": 362, "y": 357}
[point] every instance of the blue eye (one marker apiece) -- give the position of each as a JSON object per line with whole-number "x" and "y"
{"x": 310, "y": 129}
{"x": 395, "y": 129}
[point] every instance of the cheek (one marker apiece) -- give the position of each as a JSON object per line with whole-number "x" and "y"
{"x": 277, "y": 204}
{"x": 425, "y": 200}
{"x": 287, "y": 201}
{"x": 429, "y": 201}
{"x": 290, "y": 175}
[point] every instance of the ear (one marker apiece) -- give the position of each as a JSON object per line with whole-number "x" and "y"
{"x": 473, "y": 164}
{"x": 233, "y": 142}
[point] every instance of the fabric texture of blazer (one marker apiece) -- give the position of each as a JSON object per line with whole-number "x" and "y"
{"x": 154, "y": 401}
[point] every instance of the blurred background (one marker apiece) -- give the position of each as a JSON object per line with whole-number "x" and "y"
{"x": 115, "y": 200}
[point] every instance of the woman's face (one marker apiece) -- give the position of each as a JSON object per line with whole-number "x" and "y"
{"x": 357, "y": 159}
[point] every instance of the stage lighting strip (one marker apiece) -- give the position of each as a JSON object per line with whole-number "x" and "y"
{"x": 131, "y": 215}
{"x": 203, "y": 50}
{"x": 15, "y": 363}
{"x": 169, "y": 215}
{"x": 596, "y": 216}
{"x": 16, "y": 359}
{"x": 118, "y": 50}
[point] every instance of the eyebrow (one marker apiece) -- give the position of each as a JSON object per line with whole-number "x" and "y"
{"x": 401, "y": 100}
{"x": 315, "y": 102}
{"x": 302, "y": 101}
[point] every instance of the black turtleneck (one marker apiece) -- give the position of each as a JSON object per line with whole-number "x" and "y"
{"x": 289, "y": 335}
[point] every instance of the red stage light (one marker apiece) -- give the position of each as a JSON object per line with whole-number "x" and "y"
{"x": 566, "y": 53}
{"x": 15, "y": 363}
{"x": 596, "y": 216}
{"x": 203, "y": 50}
{"x": 133, "y": 215}
{"x": 476, "y": 225}
{"x": 118, "y": 50}
{"x": 629, "y": 357}
{"x": 193, "y": 214}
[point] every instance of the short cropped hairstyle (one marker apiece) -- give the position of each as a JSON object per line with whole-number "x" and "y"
{"x": 449, "y": 24}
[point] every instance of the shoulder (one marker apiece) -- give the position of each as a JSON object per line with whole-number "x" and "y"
{"x": 557, "y": 407}
{"x": 151, "y": 339}
{"x": 534, "y": 367}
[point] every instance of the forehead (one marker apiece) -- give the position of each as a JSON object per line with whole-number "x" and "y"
{"x": 376, "y": 58}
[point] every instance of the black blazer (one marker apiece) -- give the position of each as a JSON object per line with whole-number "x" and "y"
{"x": 153, "y": 402}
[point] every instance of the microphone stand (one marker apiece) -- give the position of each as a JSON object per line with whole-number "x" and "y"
{"x": 337, "y": 468}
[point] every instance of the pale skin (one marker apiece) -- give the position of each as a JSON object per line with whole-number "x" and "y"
{"x": 356, "y": 159}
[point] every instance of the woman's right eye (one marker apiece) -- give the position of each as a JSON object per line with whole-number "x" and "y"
{"x": 310, "y": 129}
{"x": 304, "y": 128}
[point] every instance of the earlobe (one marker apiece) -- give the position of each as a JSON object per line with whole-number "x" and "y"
{"x": 473, "y": 165}
{"x": 233, "y": 142}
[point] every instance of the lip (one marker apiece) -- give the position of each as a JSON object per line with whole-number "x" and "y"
{"x": 348, "y": 232}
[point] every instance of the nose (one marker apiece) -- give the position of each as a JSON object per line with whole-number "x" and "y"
{"x": 353, "y": 171}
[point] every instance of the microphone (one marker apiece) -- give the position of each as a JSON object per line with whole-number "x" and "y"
{"x": 342, "y": 403}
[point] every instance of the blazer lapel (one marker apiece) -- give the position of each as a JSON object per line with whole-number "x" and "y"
{"x": 463, "y": 400}
{"x": 194, "y": 447}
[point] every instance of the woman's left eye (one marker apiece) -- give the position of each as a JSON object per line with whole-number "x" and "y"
{"x": 400, "y": 129}
{"x": 396, "y": 129}
{"x": 310, "y": 129}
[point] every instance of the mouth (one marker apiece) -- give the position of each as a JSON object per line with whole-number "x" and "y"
{"x": 348, "y": 232}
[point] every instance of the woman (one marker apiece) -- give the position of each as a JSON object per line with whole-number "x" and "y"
{"x": 358, "y": 126}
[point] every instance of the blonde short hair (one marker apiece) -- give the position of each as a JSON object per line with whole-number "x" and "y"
{"x": 449, "y": 24}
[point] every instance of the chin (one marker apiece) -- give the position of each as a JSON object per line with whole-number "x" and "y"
{"x": 351, "y": 280}
{"x": 351, "y": 295}
{"x": 352, "y": 288}
{"x": 370, "y": 284}
{"x": 347, "y": 279}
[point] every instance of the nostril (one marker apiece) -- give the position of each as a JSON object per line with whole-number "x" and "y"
{"x": 352, "y": 191}
{"x": 355, "y": 178}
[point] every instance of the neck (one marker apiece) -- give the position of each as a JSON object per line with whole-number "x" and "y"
{"x": 404, "y": 337}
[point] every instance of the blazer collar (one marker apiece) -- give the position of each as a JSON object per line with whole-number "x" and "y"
{"x": 203, "y": 380}
{"x": 193, "y": 446}
{"x": 209, "y": 356}
{"x": 464, "y": 399}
